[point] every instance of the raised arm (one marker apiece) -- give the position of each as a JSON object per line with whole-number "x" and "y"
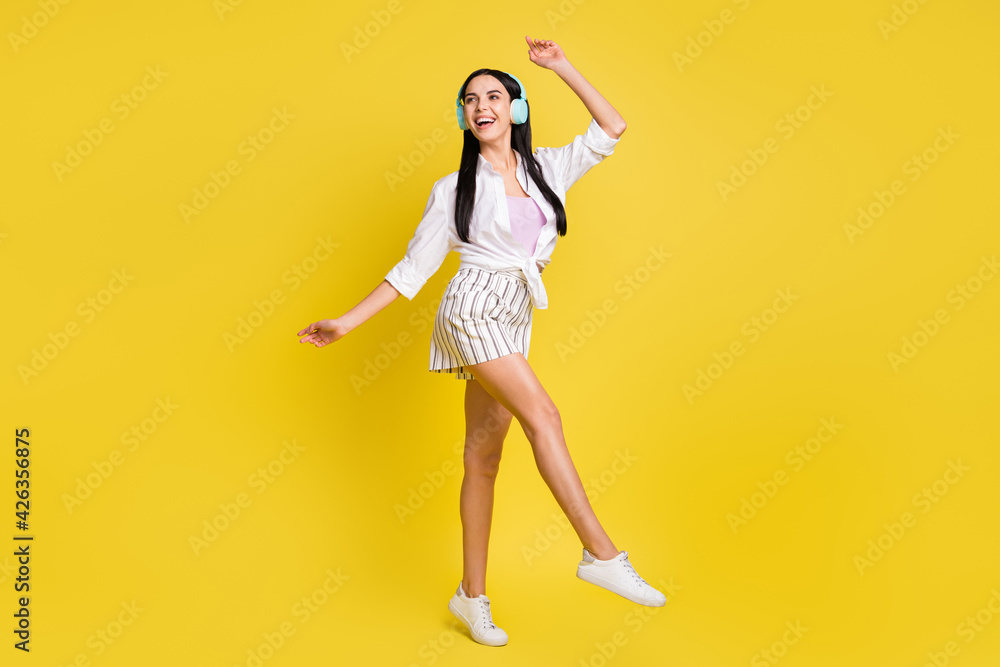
{"x": 328, "y": 331}
{"x": 546, "y": 53}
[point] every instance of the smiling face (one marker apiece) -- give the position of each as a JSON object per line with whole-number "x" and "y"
{"x": 486, "y": 99}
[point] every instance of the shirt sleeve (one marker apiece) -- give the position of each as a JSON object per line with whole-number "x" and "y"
{"x": 569, "y": 163}
{"x": 427, "y": 249}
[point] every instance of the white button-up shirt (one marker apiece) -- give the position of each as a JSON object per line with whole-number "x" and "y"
{"x": 491, "y": 244}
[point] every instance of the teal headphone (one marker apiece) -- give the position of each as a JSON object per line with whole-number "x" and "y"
{"x": 518, "y": 107}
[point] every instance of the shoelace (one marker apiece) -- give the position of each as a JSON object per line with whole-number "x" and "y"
{"x": 487, "y": 617}
{"x": 631, "y": 570}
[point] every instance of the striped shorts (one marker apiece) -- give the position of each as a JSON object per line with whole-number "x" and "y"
{"x": 482, "y": 315}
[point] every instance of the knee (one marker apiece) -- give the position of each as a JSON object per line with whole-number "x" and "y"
{"x": 544, "y": 417}
{"x": 483, "y": 460}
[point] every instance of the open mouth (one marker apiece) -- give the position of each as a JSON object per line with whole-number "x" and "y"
{"x": 485, "y": 122}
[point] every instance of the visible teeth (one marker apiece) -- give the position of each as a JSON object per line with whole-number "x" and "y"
{"x": 484, "y": 121}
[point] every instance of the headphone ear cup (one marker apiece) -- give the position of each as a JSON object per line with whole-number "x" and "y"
{"x": 518, "y": 111}
{"x": 460, "y": 110}
{"x": 518, "y": 107}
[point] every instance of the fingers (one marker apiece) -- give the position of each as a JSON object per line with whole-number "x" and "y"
{"x": 316, "y": 334}
{"x": 318, "y": 342}
{"x": 309, "y": 329}
{"x": 308, "y": 334}
{"x": 313, "y": 334}
{"x": 539, "y": 45}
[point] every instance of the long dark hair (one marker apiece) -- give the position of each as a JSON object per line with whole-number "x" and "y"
{"x": 520, "y": 139}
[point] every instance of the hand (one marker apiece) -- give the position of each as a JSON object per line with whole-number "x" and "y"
{"x": 545, "y": 53}
{"x": 323, "y": 332}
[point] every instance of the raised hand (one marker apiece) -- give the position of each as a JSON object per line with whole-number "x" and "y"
{"x": 544, "y": 52}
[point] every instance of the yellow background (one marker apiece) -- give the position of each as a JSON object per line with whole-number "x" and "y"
{"x": 365, "y": 451}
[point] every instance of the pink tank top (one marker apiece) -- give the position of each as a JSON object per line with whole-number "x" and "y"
{"x": 526, "y": 221}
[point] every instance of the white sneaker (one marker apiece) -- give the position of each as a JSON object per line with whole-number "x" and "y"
{"x": 618, "y": 576}
{"x": 475, "y": 614}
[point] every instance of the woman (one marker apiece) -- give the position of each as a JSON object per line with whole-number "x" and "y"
{"x": 504, "y": 224}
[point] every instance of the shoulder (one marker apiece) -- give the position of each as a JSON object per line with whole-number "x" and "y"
{"x": 445, "y": 183}
{"x": 443, "y": 192}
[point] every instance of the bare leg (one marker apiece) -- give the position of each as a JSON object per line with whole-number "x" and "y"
{"x": 510, "y": 380}
{"x": 486, "y": 426}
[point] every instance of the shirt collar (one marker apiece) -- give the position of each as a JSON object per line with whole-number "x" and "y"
{"x": 483, "y": 163}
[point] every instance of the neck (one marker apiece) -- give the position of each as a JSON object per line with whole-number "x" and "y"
{"x": 499, "y": 153}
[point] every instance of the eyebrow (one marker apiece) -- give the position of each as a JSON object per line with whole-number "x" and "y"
{"x": 487, "y": 92}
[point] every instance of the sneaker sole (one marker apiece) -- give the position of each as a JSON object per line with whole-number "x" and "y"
{"x": 468, "y": 626}
{"x": 606, "y": 585}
